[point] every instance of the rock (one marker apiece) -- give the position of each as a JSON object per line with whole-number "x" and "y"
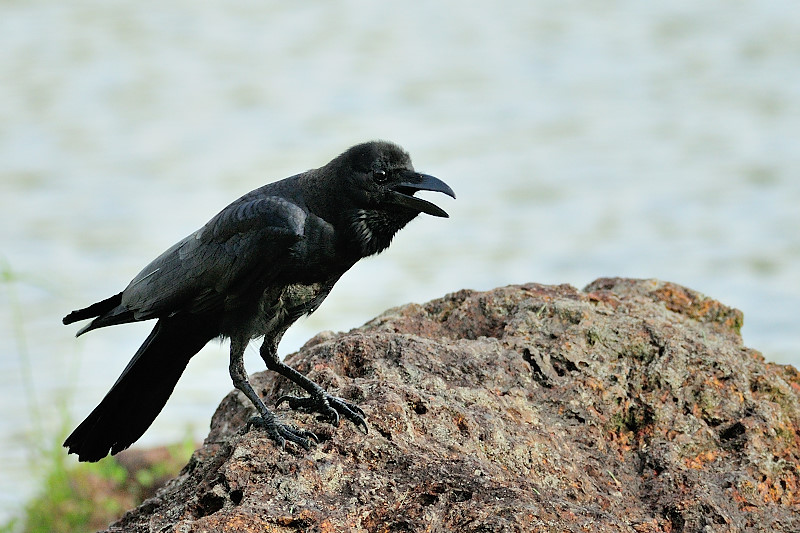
{"x": 629, "y": 406}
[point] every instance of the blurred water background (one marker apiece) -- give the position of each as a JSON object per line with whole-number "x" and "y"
{"x": 583, "y": 138}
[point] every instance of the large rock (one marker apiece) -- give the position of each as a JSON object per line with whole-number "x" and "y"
{"x": 629, "y": 406}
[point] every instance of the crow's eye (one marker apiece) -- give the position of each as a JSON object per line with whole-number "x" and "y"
{"x": 379, "y": 176}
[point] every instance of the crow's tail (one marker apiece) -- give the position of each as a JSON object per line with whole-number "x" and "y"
{"x": 109, "y": 312}
{"x": 141, "y": 391}
{"x": 93, "y": 310}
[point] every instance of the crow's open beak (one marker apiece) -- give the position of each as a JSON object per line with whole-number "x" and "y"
{"x": 403, "y": 193}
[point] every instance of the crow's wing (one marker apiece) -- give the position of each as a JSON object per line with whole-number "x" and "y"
{"x": 245, "y": 245}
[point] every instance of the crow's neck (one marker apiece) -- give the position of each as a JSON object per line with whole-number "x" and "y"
{"x": 371, "y": 232}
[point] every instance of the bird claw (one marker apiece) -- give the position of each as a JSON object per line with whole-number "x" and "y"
{"x": 281, "y": 433}
{"x": 329, "y": 408}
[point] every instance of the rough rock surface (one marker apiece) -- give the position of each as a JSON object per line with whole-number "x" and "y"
{"x": 629, "y": 406}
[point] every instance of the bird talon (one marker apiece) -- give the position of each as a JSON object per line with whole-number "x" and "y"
{"x": 282, "y": 399}
{"x": 329, "y": 409}
{"x": 331, "y": 417}
{"x": 280, "y": 433}
{"x": 296, "y": 403}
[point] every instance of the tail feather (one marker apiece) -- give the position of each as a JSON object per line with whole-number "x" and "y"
{"x": 141, "y": 391}
{"x": 93, "y": 310}
{"x": 109, "y": 312}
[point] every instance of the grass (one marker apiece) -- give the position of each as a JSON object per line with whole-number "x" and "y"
{"x": 81, "y": 497}
{"x": 78, "y": 497}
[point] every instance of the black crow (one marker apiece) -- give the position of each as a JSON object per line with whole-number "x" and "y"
{"x": 261, "y": 263}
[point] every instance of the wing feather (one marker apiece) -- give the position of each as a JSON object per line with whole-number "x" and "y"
{"x": 247, "y": 243}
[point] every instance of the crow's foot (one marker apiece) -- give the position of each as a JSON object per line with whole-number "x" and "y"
{"x": 281, "y": 433}
{"x": 329, "y": 408}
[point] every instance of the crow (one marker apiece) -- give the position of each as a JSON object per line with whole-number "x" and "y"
{"x": 261, "y": 263}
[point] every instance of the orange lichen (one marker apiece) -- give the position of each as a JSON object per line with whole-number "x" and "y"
{"x": 699, "y": 461}
{"x": 694, "y": 305}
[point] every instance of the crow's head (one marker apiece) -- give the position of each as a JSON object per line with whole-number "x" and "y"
{"x": 382, "y": 178}
{"x": 377, "y": 183}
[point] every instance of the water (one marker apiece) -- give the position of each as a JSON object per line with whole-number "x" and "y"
{"x": 584, "y": 139}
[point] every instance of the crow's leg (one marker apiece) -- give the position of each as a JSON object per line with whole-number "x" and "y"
{"x": 329, "y": 407}
{"x": 278, "y": 432}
